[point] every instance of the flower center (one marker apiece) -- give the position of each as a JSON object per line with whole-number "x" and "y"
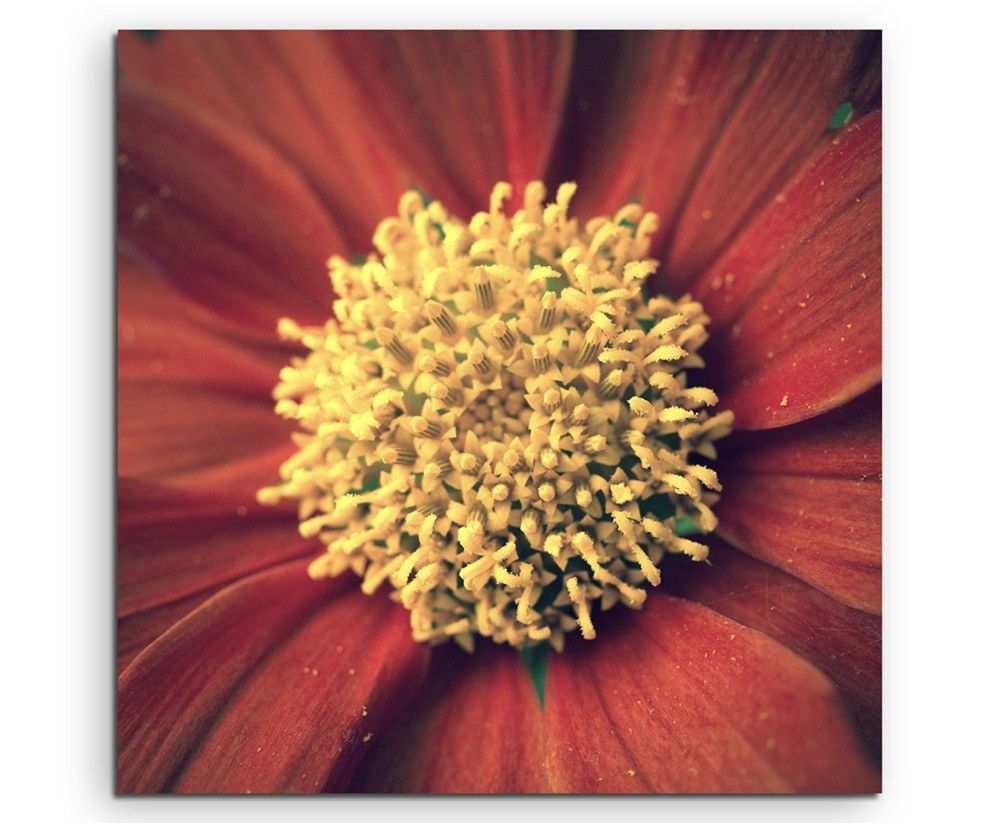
{"x": 497, "y": 423}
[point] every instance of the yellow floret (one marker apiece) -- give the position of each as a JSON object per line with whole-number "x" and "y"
{"x": 497, "y": 424}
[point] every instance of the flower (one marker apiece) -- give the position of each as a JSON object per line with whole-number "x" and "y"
{"x": 247, "y": 159}
{"x": 498, "y": 423}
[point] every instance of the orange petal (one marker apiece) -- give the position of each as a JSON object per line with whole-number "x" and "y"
{"x": 179, "y": 547}
{"x": 276, "y": 684}
{"x": 844, "y": 642}
{"x": 366, "y": 115}
{"x": 796, "y": 300}
{"x": 475, "y": 729}
{"x": 229, "y": 222}
{"x": 808, "y": 499}
{"x": 676, "y": 698}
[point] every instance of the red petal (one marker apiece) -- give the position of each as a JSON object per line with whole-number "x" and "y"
{"x": 174, "y": 61}
{"x": 808, "y": 499}
{"x": 170, "y": 348}
{"x": 671, "y": 91}
{"x": 164, "y": 336}
{"x": 271, "y": 686}
{"x": 779, "y": 121}
{"x": 796, "y": 300}
{"x": 677, "y": 698}
{"x": 171, "y": 430}
{"x": 844, "y": 642}
{"x": 475, "y": 729}
{"x": 239, "y": 477}
{"x": 497, "y": 118}
{"x": 139, "y": 629}
{"x": 695, "y": 123}
{"x": 845, "y": 442}
{"x": 173, "y": 544}
{"x": 225, "y": 218}
{"x": 366, "y": 115}
{"x": 823, "y": 530}
{"x": 178, "y": 548}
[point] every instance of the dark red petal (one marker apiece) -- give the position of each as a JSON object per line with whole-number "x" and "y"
{"x": 642, "y": 111}
{"x": 271, "y": 686}
{"x": 796, "y": 300}
{"x": 844, "y": 642}
{"x": 845, "y": 442}
{"x": 366, "y": 115}
{"x": 476, "y": 728}
{"x": 165, "y": 336}
{"x": 174, "y": 62}
{"x": 808, "y": 499}
{"x": 490, "y": 102}
{"x": 139, "y": 629}
{"x": 224, "y": 217}
{"x": 677, "y": 698}
{"x": 174, "y": 544}
{"x": 705, "y": 124}
{"x": 239, "y": 477}
{"x": 167, "y": 431}
{"x": 780, "y": 119}
{"x": 169, "y": 350}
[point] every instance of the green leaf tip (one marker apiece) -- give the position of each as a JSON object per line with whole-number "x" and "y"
{"x": 536, "y": 661}
{"x": 841, "y": 115}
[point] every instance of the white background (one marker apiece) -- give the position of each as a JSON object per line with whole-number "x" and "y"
{"x": 941, "y": 322}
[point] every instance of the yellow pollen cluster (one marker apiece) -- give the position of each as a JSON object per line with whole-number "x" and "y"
{"x": 497, "y": 423}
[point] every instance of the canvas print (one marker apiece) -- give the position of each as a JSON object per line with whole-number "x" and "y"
{"x": 499, "y": 412}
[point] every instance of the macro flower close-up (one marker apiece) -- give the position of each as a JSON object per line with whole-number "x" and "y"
{"x": 499, "y": 412}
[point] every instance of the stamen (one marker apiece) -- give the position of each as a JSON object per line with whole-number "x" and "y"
{"x": 448, "y": 395}
{"x": 513, "y": 459}
{"x": 551, "y": 401}
{"x": 398, "y": 454}
{"x": 422, "y": 427}
{"x": 441, "y": 318}
{"x": 541, "y": 358}
{"x": 582, "y": 608}
{"x": 387, "y": 339}
{"x": 588, "y": 352}
{"x": 547, "y": 492}
{"x": 548, "y": 314}
{"x": 432, "y": 365}
{"x": 480, "y": 362}
{"x": 611, "y": 385}
{"x": 484, "y": 289}
{"x": 469, "y": 463}
{"x": 530, "y": 522}
{"x": 501, "y": 332}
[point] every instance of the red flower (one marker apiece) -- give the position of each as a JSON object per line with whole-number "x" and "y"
{"x": 247, "y": 159}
